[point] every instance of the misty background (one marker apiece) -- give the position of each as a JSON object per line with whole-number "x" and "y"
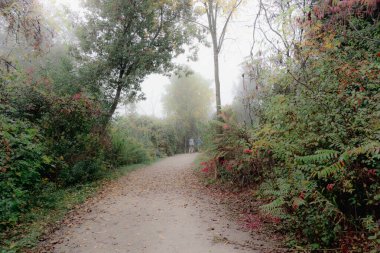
{"x": 235, "y": 50}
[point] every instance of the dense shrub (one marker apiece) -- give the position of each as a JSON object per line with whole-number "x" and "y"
{"x": 50, "y": 140}
{"x": 126, "y": 150}
{"x": 314, "y": 152}
{"x": 237, "y": 161}
{"x": 22, "y": 160}
{"x": 157, "y": 136}
{"x": 86, "y": 170}
{"x": 57, "y": 101}
{"x": 73, "y": 130}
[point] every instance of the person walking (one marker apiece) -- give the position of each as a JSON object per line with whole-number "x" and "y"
{"x": 191, "y": 145}
{"x": 198, "y": 143}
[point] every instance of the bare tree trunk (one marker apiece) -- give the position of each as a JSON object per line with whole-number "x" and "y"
{"x": 213, "y": 10}
{"x": 216, "y": 74}
{"x": 212, "y": 14}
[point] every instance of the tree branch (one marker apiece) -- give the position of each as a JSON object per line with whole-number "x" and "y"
{"x": 198, "y": 23}
{"x": 224, "y": 30}
{"x": 273, "y": 30}
{"x": 254, "y": 31}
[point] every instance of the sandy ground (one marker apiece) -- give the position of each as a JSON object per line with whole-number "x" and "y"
{"x": 156, "y": 209}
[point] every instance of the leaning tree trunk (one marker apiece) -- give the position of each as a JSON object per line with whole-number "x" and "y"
{"x": 123, "y": 72}
{"x": 113, "y": 107}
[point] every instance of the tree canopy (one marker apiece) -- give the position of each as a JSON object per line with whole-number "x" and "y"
{"x": 124, "y": 41}
{"x": 298, "y": 149}
{"x": 219, "y": 14}
{"x": 187, "y": 102}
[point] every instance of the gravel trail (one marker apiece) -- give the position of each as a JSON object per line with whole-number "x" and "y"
{"x": 156, "y": 209}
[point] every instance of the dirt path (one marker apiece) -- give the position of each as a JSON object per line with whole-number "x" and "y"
{"x": 155, "y": 209}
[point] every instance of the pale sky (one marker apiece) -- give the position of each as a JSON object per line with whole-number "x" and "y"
{"x": 235, "y": 49}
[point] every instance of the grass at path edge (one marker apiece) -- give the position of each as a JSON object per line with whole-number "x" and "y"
{"x": 55, "y": 203}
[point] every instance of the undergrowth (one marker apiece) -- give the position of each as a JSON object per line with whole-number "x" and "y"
{"x": 53, "y": 204}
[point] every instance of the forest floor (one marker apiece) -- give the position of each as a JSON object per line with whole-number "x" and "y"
{"x": 160, "y": 208}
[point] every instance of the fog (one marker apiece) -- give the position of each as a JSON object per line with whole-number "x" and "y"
{"x": 235, "y": 50}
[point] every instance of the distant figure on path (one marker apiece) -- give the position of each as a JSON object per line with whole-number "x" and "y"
{"x": 198, "y": 143}
{"x": 191, "y": 145}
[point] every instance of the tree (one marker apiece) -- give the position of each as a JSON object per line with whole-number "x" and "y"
{"x": 187, "y": 102}
{"x": 124, "y": 41}
{"x": 249, "y": 92}
{"x": 215, "y": 9}
{"x": 22, "y": 17}
{"x": 21, "y": 21}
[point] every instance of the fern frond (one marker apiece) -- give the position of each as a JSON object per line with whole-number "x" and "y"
{"x": 369, "y": 148}
{"x": 318, "y": 157}
{"x": 278, "y": 189}
{"x": 298, "y": 201}
{"x": 331, "y": 170}
{"x": 372, "y": 148}
{"x": 274, "y": 208}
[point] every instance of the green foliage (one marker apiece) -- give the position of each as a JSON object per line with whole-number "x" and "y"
{"x": 124, "y": 42}
{"x": 188, "y": 98}
{"x": 316, "y": 140}
{"x": 82, "y": 171}
{"x": 50, "y": 208}
{"x": 72, "y": 127}
{"x": 48, "y": 144}
{"x": 51, "y": 141}
{"x": 56, "y": 105}
{"x": 22, "y": 160}
{"x": 44, "y": 139}
{"x": 239, "y": 162}
{"x": 320, "y": 157}
{"x": 126, "y": 150}
{"x": 153, "y": 137}
{"x": 187, "y": 103}
{"x": 274, "y": 208}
